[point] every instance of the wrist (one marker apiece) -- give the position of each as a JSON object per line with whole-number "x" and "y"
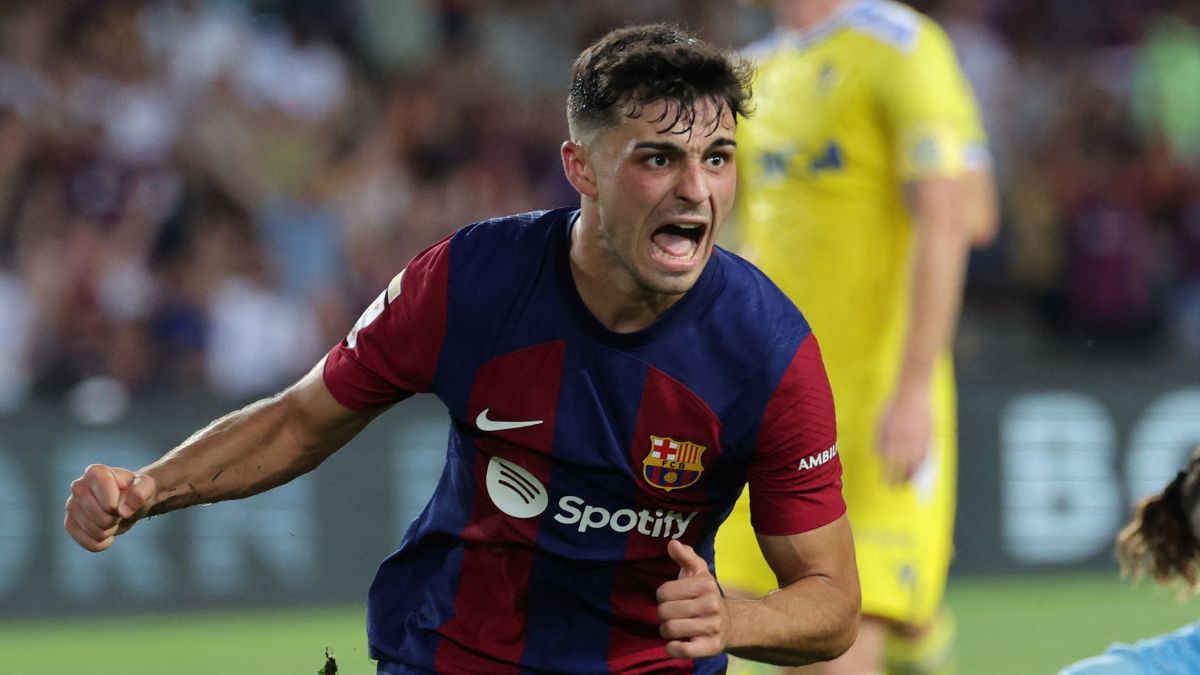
{"x": 153, "y": 504}
{"x": 913, "y": 384}
{"x": 736, "y": 609}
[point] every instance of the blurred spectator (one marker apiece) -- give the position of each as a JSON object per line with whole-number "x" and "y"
{"x": 1184, "y": 305}
{"x": 1166, "y": 95}
{"x": 16, "y": 342}
{"x": 1165, "y": 101}
{"x": 179, "y": 176}
{"x": 1110, "y": 276}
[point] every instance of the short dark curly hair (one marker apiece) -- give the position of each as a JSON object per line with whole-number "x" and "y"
{"x": 635, "y": 66}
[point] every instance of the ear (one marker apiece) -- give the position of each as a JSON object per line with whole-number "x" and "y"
{"x": 578, "y": 169}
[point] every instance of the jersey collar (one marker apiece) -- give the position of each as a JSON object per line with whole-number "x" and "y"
{"x": 817, "y": 31}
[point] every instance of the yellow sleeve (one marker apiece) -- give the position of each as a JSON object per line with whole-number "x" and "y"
{"x": 931, "y": 109}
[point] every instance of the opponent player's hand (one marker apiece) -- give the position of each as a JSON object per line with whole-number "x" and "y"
{"x": 691, "y": 611}
{"x": 105, "y": 502}
{"x": 905, "y": 432}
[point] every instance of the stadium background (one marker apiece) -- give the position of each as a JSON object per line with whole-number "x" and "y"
{"x": 198, "y": 197}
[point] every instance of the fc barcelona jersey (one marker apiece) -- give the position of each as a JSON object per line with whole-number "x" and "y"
{"x": 576, "y": 453}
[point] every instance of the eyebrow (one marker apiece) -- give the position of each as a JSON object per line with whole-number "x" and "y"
{"x": 677, "y": 149}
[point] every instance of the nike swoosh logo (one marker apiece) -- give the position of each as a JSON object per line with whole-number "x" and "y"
{"x": 486, "y": 424}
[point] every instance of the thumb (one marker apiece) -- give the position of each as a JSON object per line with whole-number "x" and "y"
{"x": 133, "y": 499}
{"x": 690, "y": 564}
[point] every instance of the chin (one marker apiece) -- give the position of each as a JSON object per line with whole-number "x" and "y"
{"x": 673, "y": 285}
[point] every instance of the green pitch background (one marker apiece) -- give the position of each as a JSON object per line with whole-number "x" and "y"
{"x": 1010, "y": 625}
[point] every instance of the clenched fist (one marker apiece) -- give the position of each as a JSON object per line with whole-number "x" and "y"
{"x": 105, "y": 502}
{"x": 691, "y": 610}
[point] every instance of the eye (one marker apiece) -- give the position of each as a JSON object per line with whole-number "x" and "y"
{"x": 658, "y": 161}
{"x": 717, "y": 160}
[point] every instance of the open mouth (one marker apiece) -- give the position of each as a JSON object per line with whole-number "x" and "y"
{"x": 679, "y": 241}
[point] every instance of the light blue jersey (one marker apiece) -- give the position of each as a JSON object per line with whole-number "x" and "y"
{"x": 1170, "y": 654}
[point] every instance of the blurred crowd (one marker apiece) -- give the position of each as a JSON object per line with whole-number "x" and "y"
{"x": 1094, "y": 113}
{"x": 200, "y": 196}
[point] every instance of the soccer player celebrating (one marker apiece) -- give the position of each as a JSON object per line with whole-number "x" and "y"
{"x": 613, "y": 380}
{"x": 865, "y": 179}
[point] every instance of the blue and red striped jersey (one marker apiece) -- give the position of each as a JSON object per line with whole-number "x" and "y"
{"x": 575, "y": 453}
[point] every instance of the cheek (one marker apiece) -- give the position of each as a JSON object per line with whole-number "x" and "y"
{"x": 634, "y": 185}
{"x": 725, "y": 189}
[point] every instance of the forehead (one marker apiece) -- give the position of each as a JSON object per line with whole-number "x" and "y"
{"x": 664, "y": 120}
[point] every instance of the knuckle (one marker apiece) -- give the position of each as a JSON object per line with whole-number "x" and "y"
{"x": 673, "y": 630}
{"x": 686, "y": 650}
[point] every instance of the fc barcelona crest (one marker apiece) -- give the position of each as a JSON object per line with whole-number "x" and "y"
{"x": 672, "y": 464}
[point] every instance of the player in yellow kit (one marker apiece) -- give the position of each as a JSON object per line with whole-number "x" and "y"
{"x": 864, "y": 179}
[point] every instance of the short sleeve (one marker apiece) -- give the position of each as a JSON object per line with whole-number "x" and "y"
{"x": 795, "y": 477}
{"x": 935, "y": 122}
{"x": 392, "y": 352}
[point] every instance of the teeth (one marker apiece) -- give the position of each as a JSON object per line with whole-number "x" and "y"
{"x": 688, "y": 226}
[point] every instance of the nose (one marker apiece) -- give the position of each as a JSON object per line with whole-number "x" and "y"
{"x": 692, "y": 186}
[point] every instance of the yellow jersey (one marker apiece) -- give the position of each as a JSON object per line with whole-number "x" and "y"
{"x": 845, "y": 114}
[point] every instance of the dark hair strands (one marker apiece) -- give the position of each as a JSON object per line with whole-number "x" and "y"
{"x": 1158, "y": 540}
{"x": 636, "y": 66}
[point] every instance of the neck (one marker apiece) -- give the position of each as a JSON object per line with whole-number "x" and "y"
{"x": 804, "y": 14}
{"x": 610, "y": 293}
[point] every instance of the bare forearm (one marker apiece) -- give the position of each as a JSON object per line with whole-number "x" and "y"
{"x": 810, "y": 620}
{"x": 981, "y": 207}
{"x": 261, "y": 446}
{"x": 941, "y": 243}
{"x": 243, "y": 453}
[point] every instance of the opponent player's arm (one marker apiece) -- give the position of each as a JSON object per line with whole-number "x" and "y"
{"x": 941, "y": 241}
{"x": 940, "y": 145}
{"x": 981, "y": 209}
{"x": 261, "y": 446}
